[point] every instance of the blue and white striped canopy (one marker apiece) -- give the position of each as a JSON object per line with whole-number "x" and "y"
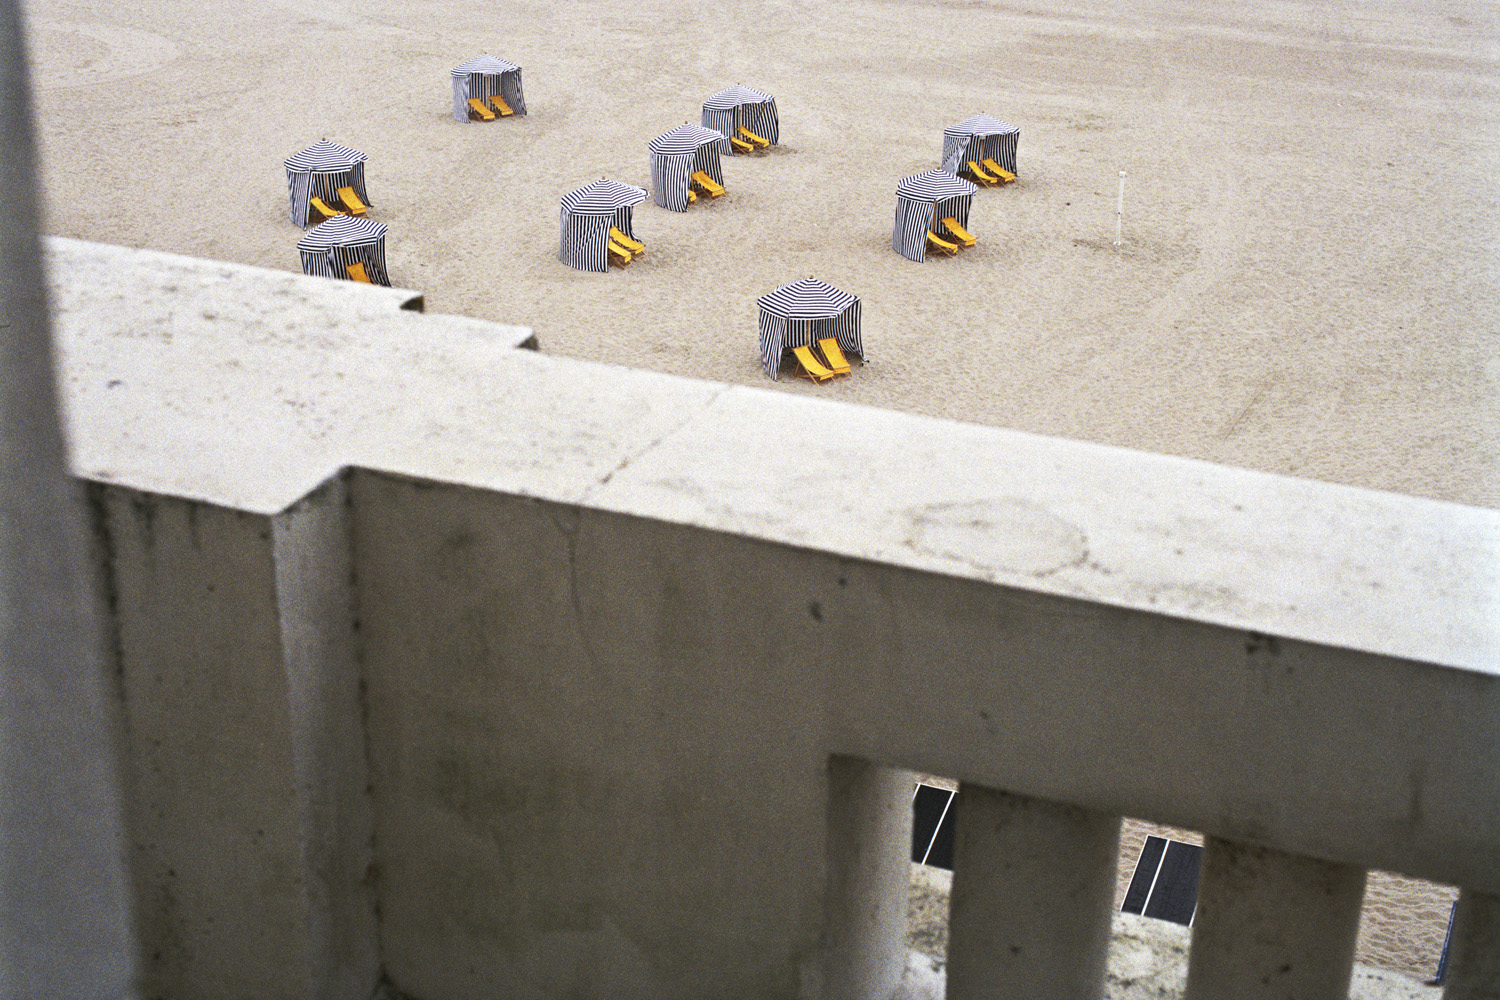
{"x": 342, "y": 231}
{"x": 733, "y": 97}
{"x": 981, "y": 124}
{"x": 804, "y": 311}
{"x": 806, "y": 298}
{"x": 483, "y": 64}
{"x": 933, "y": 185}
{"x": 325, "y": 157}
{"x": 683, "y": 139}
{"x": 602, "y": 197}
{"x": 738, "y": 106}
{"x": 978, "y": 137}
{"x": 330, "y": 248}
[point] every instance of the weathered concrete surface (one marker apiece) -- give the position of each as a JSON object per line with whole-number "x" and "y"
{"x": 1147, "y": 958}
{"x": 599, "y": 734}
{"x": 248, "y": 825}
{"x": 64, "y": 917}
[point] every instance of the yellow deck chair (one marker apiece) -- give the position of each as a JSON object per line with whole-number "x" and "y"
{"x": 634, "y": 246}
{"x": 753, "y": 139}
{"x": 832, "y": 354}
{"x": 501, "y": 108}
{"x": 809, "y": 366}
{"x": 740, "y": 146}
{"x": 619, "y": 254}
{"x": 357, "y": 272}
{"x": 959, "y": 231}
{"x": 351, "y": 201}
{"x": 710, "y": 187}
{"x": 979, "y": 175}
{"x": 940, "y": 245}
{"x": 323, "y": 207}
{"x": 1003, "y": 175}
{"x": 478, "y": 108}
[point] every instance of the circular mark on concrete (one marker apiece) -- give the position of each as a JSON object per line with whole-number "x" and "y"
{"x": 68, "y": 54}
{"x": 1006, "y": 534}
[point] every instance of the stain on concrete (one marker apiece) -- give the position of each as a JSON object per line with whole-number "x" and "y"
{"x": 1003, "y": 535}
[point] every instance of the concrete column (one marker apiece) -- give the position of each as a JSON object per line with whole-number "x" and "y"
{"x": 1273, "y": 925}
{"x": 1474, "y": 952}
{"x": 869, "y": 866}
{"x": 64, "y": 923}
{"x": 1033, "y": 893}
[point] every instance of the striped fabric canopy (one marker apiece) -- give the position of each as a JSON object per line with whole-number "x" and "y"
{"x": 979, "y": 137}
{"x": 739, "y": 105}
{"x": 801, "y": 312}
{"x": 483, "y": 77}
{"x": 318, "y": 172}
{"x": 587, "y": 214}
{"x": 675, "y": 155}
{"x": 330, "y": 247}
{"x": 922, "y": 200}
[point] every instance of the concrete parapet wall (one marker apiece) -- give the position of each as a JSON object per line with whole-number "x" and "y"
{"x": 538, "y": 696}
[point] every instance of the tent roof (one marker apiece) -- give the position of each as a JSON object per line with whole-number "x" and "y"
{"x": 981, "y": 125}
{"x": 684, "y": 139}
{"x": 807, "y": 298}
{"x": 933, "y": 185}
{"x": 483, "y": 64}
{"x": 602, "y": 197}
{"x": 731, "y": 97}
{"x": 342, "y": 231}
{"x": 325, "y": 157}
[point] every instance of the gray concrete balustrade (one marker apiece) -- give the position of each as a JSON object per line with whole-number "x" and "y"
{"x": 498, "y": 674}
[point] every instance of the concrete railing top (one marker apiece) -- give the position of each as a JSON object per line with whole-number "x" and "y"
{"x": 247, "y": 388}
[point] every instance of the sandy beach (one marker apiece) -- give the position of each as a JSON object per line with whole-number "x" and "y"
{"x": 1307, "y": 283}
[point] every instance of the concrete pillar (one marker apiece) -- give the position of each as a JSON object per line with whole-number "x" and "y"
{"x": 1273, "y": 925}
{"x": 64, "y": 922}
{"x": 869, "y": 866}
{"x": 1033, "y": 893}
{"x": 1474, "y": 952}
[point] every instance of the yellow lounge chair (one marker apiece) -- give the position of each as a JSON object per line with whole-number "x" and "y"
{"x": 476, "y": 106}
{"x": 634, "y": 246}
{"x": 357, "y": 272}
{"x": 832, "y": 354}
{"x": 809, "y": 366}
{"x": 323, "y": 207}
{"x": 710, "y": 187}
{"x": 619, "y": 254}
{"x": 351, "y": 201}
{"x": 501, "y": 108}
{"x": 980, "y": 175}
{"x": 937, "y": 243}
{"x": 1004, "y": 176}
{"x": 740, "y": 146}
{"x": 753, "y": 139}
{"x": 960, "y": 232}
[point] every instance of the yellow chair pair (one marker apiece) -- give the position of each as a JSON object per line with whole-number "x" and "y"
{"x": 706, "y": 184}
{"x": 832, "y": 365}
{"x": 347, "y": 196}
{"x": 622, "y": 249}
{"x": 990, "y": 174}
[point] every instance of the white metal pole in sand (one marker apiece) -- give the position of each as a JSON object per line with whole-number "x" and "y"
{"x": 1120, "y": 209}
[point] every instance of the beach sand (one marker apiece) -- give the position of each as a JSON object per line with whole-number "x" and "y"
{"x": 1307, "y": 284}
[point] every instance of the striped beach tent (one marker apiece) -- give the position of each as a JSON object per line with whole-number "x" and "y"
{"x": 587, "y": 214}
{"x": 979, "y": 137}
{"x": 922, "y": 200}
{"x": 802, "y": 312}
{"x": 739, "y": 105}
{"x": 675, "y": 155}
{"x": 330, "y": 247}
{"x": 318, "y": 172}
{"x": 483, "y": 77}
